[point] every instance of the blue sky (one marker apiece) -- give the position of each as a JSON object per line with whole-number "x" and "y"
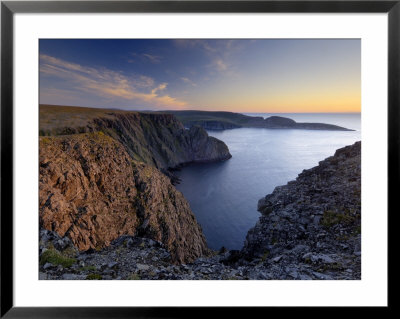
{"x": 231, "y": 75}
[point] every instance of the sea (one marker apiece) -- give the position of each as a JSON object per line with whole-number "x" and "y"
{"x": 224, "y": 195}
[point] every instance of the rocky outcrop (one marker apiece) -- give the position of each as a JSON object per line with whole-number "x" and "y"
{"x": 311, "y": 227}
{"x": 156, "y": 139}
{"x": 92, "y": 191}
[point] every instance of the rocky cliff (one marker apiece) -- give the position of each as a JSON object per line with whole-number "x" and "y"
{"x": 311, "y": 227}
{"x": 92, "y": 191}
{"x": 156, "y": 139}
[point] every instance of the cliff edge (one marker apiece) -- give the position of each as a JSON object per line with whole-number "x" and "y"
{"x": 156, "y": 139}
{"x": 92, "y": 191}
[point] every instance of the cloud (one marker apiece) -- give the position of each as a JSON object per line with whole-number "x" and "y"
{"x": 161, "y": 87}
{"x": 106, "y": 83}
{"x": 152, "y": 58}
{"x": 188, "y": 81}
{"x": 218, "y": 51}
{"x": 220, "y": 65}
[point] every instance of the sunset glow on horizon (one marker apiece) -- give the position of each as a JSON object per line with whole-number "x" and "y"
{"x": 253, "y": 76}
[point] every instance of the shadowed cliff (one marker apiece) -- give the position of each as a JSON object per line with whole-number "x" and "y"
{"x": 156, "y": 139}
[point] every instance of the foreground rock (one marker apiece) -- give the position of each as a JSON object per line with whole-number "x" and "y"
{"x": 127, "y": 258}
{"x": 91, "y": 191}
{"x": 311, "y": 227}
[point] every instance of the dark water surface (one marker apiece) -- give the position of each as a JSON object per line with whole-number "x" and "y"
{"x": 224, "y": 196}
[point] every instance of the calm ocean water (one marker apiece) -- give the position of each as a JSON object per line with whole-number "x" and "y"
{"x": 224, "y": 196}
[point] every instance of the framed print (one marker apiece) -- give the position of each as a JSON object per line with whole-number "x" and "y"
{"x": 163, "y": 155}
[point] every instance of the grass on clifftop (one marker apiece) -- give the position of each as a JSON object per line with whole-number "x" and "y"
{"x": 227, "y": 117}
{"x": 53, "y": 119}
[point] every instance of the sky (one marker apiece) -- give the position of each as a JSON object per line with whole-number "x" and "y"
{"x": 241, "y": 75}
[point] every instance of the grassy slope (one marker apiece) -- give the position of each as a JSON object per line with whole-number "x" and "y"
{"x": 229, "y": 117}
{"x": 189, "y": 118}
{"x": 53, "y": 118}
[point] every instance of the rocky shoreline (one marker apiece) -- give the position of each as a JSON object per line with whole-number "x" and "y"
{"x": 309, "y": 229}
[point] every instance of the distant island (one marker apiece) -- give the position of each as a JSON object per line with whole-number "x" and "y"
{"x": 231, "y": 120}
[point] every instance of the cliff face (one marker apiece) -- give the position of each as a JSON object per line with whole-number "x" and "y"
{"x": 313, "y": 225}
{"x": 309, "y": 228}
{"x": 91, "y": 191}
{"x": 156, "y": 139}
{"x": 160, "y": 139}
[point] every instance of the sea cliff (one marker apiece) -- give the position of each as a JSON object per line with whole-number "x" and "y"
{"x": 101, "y": 177}
{"x": 92, "y": 191}
{"x": 156, "y": 139}
{"x": 308, "y": 229}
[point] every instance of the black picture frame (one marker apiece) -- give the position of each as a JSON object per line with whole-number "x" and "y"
{"x": 9, "y": 8}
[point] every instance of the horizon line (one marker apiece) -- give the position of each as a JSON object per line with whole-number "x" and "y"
{"x": 199, "y": 110}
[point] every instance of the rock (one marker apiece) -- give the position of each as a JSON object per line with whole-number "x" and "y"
{"x": 300, "y": 249}
{"x": 142, "y": 267}
{"x": 156, "y": 139}
{"x": 43, "y": 276}
{"x": 304, "y": 277}
{"x": 277, "y": 259}
{"x": 102, "y": 199}
{"x": 48, "y": 265}
{"x": 313, "y": 220}
{"x": 222, "y": 250}
{"x": 294, "y": 274}
{"x": 321, "y": 258}
{"x": 120, "y": 211}
{"x": 316, "y": 220}
{"x": 321, "y": 276}
{"x": 73, "y": 277}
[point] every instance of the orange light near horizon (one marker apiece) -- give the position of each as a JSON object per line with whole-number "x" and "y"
{"x": 343, "y": 104}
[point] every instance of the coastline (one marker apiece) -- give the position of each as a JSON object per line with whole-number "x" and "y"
{"x": 249, "y": 263}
